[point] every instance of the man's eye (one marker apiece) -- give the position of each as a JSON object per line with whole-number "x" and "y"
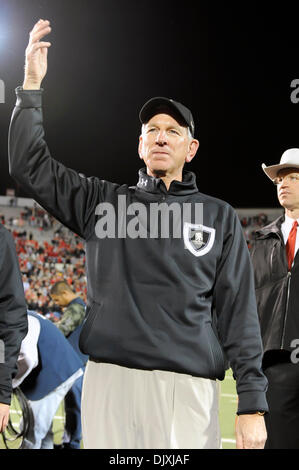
{"x": 173, "y": 131}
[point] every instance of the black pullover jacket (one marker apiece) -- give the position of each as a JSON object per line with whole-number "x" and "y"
{"x": 154, "y": 302}
{"x": 277, "y": 292}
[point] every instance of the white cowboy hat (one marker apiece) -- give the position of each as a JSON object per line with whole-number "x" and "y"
{"x": 289, "y": 159}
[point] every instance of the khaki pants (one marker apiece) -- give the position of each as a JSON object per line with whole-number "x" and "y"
{"x": 125, "y": 408}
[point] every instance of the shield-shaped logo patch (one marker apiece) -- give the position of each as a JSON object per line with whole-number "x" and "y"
{"x": 198, "y": 238}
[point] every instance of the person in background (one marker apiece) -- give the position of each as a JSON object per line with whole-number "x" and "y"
{"x": 274, "y": 254}
{"x": 48, "y": 367}
{"x": 13, "y": 320}
{"x": 71, "y": 325}
{"x": 72, "y": 304}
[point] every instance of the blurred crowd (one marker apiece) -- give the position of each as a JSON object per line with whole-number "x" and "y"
{"x": 29, "y": 216}
{"x": 43, "y": 263}
{"x": 251, "y": 224}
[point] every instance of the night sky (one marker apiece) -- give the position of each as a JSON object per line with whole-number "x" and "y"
{"x": 231, "y": 65}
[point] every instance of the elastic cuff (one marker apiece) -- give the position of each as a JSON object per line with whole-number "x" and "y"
{"x": 5, "y": 384}
{"x": 252, "y": 401}
{"x": 239, "y": 413}
{"x": 29, "y": 98}
{"x": 5, "y": 396}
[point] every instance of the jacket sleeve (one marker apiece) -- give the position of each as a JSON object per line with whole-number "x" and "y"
{"x": 63, "y": 192}
{"x": 237, "y": 318}
{"x": 13, "y": 314}
{"x": 71, "y": 319}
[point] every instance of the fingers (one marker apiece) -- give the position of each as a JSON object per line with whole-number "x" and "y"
{"x": 40, "y": 29}
{"x": 4, "y": 416}
{"x": 40, "y": 25}
{"x": 239, "y": 437}
{"x": 39, "y": 45}
{"x": 35, "y": 47}
{"x": 239, "y": 443}
{"x": 4, "y": 423}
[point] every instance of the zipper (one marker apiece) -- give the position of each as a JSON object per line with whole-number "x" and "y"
{"x": 286, "y": 309}
{"x": 271, "y": 257}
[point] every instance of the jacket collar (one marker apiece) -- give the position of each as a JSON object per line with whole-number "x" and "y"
{"x": 273, "y": 228}
{"x": 157, "y": 185}
{"x": 77, "y": 300}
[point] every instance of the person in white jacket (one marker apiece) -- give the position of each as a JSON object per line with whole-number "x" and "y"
{"x": 48, "y": 367}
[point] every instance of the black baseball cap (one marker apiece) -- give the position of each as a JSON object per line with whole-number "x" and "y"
{"x": 175, "y": 109}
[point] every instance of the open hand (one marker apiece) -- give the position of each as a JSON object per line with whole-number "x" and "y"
{"x": 36, "y": 56}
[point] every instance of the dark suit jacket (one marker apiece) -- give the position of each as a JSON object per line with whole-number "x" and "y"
{"x": 13, "y": 313}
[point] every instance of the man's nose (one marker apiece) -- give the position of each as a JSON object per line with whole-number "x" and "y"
{"x": 161, "y": 138}
{"x": 284, "y": 183}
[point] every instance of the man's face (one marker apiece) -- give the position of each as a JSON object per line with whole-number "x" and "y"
{"x": 165, "y": 145}
{"x": 288, "y": 188}
{"x": 60, "y": 299}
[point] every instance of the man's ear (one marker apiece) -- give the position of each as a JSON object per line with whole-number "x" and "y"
{"x": 140, "y": 147}
{"x": 193, "y": 147}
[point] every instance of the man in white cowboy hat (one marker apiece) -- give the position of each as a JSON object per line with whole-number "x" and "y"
{"x": 276, "y": 267}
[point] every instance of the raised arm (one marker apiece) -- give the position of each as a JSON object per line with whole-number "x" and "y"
{"x": 62, "y": 192}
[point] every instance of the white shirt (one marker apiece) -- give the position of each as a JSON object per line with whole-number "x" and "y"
{"x": 286, "y": 227}
{"x": 28, "y": 356}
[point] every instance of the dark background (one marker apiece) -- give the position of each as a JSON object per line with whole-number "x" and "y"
{"x": 231, "y": 64}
